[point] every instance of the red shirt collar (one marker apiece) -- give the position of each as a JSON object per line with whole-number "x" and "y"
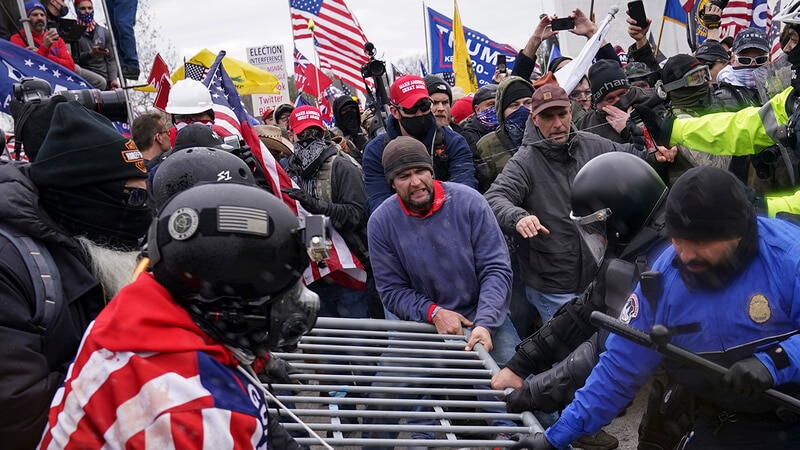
{"x": 438, "y": 201}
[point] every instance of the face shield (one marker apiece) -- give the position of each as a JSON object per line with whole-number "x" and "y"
{"x": 592, "y": 229}
{"x": 293, "y": 314}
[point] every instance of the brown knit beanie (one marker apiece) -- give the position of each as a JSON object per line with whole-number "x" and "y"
{"x": 403, "y": 153}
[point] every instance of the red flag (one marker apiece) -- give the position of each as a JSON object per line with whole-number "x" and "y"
{"x": 159, "y": 79}
{"x": 308, "y": 78}
{"x": 337, "y": 36}
{"x": 343, "y": 266}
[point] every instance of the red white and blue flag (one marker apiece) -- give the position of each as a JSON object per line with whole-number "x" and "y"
{"x": 740, "y": 14}
{"x": 337, "y": 36}
{"x": 774, "y": 34}
{"x": 343, "y": 266}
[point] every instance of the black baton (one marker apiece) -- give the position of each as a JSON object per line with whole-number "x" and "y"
{"x": 682, "y": 356}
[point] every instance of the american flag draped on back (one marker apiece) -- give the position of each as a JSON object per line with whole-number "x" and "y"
{"x": 337, "y": 36}
{"x": 343, "y": 266}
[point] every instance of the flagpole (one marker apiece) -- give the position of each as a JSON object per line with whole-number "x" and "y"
{"x": 427, "y": 38}
{"x": 316, "y": 58}
{"x": 660, "y": 33}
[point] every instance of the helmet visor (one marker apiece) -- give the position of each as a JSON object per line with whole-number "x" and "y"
{"x": 592, "y": 229}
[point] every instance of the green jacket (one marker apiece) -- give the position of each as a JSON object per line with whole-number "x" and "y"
{"x": 745, "y": 132}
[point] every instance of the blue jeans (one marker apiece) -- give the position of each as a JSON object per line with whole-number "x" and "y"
{"x": 547, "y": 304}
{"x": 122, "y": 14}
{"x": 339, "y": 301}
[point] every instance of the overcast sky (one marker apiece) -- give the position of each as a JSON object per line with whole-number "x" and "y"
{"x": 396, "y": 27}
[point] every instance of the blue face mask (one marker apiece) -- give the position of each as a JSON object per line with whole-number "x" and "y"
{"x": 514, "y": 125}
{"x": 488, "y": 118}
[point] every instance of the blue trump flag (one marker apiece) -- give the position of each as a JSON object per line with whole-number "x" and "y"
{"x": 482, "y": 50}
{"x": 18, "y": 62}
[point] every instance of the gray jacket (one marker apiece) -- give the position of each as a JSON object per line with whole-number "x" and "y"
{"x": 537, "y": 180}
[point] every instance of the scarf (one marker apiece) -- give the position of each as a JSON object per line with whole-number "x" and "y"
{"x": 488, "y": 118}
{"x": 87, "y": 20}
{"x": 514, "y": 125}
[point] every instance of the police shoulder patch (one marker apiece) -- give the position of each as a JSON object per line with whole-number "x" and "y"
{"x": 758, "y": 309}
{"x": 631, "y": 309}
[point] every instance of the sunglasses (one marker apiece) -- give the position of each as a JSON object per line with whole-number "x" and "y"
{"x": 135, "y": 197}
{"x": 747, "y": 60}
{"x": 423, "y": 105}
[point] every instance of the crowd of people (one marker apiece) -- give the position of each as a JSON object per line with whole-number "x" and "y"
{"x": 81, "y": 45}
{"x": 146, "y": 281}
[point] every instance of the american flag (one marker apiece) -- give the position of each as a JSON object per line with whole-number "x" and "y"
{"x": 739, "y": 14}
{"x": 149, "y": 391}
{"x": 195, "y": 71}
{"x": 775, "y": 36}
{"x": 337, "y": 36}
{"x": 343, "y": 267}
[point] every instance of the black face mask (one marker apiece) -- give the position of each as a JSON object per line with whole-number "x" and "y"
{"x": 93, "y": 212}
{"x": 349, "y": 123}
{"x": 418, "y": 126}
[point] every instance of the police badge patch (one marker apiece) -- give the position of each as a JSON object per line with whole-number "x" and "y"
{"x": 758, "y": 309}
{"x": 631, "y": 309}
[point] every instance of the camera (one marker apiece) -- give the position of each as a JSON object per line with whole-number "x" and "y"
{"x": 68, "y": 29}
{"x": 317, "y": 238}
{"x": 377, "y": 100}
{"x": 111, "y": 104}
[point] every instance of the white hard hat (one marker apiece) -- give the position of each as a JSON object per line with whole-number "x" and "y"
{"x": 189, "y": 97}
{"x": 790, "y": 13}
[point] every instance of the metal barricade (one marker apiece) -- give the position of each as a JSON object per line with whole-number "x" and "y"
{"x": 365, "y": 380}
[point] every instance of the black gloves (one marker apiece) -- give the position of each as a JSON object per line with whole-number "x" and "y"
{"x": 520, "y": 400}
{"x": 660, "y": 129}
{"x": 535, "y": 441}
{"x": 748, "y": 378}
{"x": 311, "y": 204}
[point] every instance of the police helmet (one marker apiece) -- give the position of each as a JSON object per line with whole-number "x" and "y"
{"x": 613, "y": 197}
{"x": 183, "y": 169}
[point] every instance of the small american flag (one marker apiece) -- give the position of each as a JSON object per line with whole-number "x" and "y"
{"x": 195, "y": 71}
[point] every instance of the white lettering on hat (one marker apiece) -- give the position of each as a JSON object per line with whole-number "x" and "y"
{"x": 308, "y": 115}
{"x": 132, "y": 155}
{"x": 413, "y": 85}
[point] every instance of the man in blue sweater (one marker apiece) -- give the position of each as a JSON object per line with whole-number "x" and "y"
{"x": 439, "y": 255}
{"x": 411, "y": 116}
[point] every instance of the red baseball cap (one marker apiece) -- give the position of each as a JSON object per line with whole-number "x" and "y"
{"x": 267, "y": 113}
{"x": 407, "y": 90}
{"x": 304, "y": 117}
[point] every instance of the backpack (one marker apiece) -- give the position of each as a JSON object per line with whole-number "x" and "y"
{"x": 324, "y": 186}
{"x": 44, "y": 275}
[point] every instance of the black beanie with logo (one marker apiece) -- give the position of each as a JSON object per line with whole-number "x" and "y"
{"x": 605, "y": 76}
{"x": 81, "y": 173}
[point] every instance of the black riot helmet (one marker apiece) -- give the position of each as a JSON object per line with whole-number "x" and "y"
{"x": 613, "y": 197}
{"x": 185, "y": 168}
{"x": 231, "y": 254}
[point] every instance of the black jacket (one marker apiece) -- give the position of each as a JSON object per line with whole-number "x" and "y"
{"x": 348, "y": 206}
{"x": 35, "y": 363}
{"x": 537, "y": 180}
{"x": 473, "y": 130}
